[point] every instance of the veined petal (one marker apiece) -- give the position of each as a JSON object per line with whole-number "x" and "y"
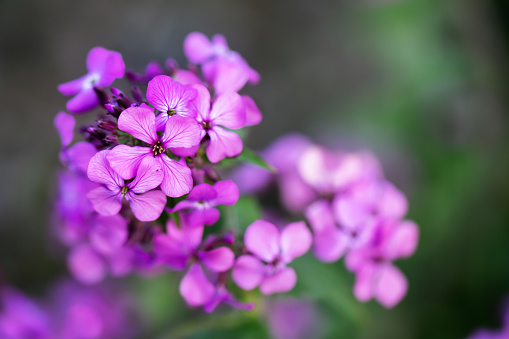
{"x": 197, "y": 47}
{"x": 218, "y": 260}
{"x": 228, "y": 110}
{"x": 125, "y": 160}
{"x": 161, "y": 120}
{"x": 195, "y": 287}
{"x": 108, "y": 233}
{"x": 64, "y": 123}
{"x": 177, "y": 179}
{"x": 296, "y": 240}
{"x": 105, "y": 202}
{"x": 100, "y": 171}
{"x": 202, "y": 192}
{"x": 147, "y": 206}
{"x": 86, "y": 265}
{"x": 282, "y": 281}
{"x": 248, "y": 272}
{"x": 202, "y": 101}
{"x": 253, "y": 113}
{"x": 140, "y": 123}
{"x": 166, "y": 94}
{"x": 84, "y": 101}
{"x": 223, "y": 144}
{"x": 262, "y": 239}
{"x": 148, "y": 176}
{"x": 227, "y": 193}
{"x": 181, "y": 132}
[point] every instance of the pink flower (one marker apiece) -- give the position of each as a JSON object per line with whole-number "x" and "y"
{"x": 179, "y": 132}
{"x": 170, "y": 97}
{"x": 204, "y": 198}
{"x": 107, "y": 200}
{"x": 104, "y": 66}
{"x": 226, "y": 111}
{"x": 271, "y": 252}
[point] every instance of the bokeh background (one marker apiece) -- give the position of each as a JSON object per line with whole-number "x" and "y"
{"x": 422, "y": 83}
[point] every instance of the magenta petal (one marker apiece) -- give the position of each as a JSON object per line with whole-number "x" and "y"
{"x": 391, "y": 286}
{"x": 148, "y": 176}
{"x": 350, "y": 213}
{"x": 161, "y": 120}
{"x": 84, "y": 101}
{"x": 248, "y": 272}
{"x": 363, "y": 288}
{"x": 108, "y": 234}
{"x": 218, "y": 260}
{"x": 330, "y": 245}
{"x": 177, "y": 179}
{"x": 403, "y": 242}
{"x": 186, "y": 77}
{"x": 392, "y": 202}
{"x": 281, "y": 282}
{"x": 166, "y": 94}
{"x": 64, "y": 123}
{"x": 228, "y": 110}
{"x": 86, "y": 265}
{"x": 227, "y": 193}
{"x": 296, "y": 240}
{"x": 79, "y": 155}
{"x": 125, "y": 160}
{"x": 202, "y": 101}
{"x": 205, "y": 216}
{"x": 109, "y": 64}
{"x": 168, "y": 251}
{"x": 262, "y": 239}
{"x": 188, "y": 235}
{"x": 253, "y": 113}
{"x": 197, "y": 47}
{"x": 223, "y": 144}
{"x": 100, "y": 171}
{"x": 320, "y": 217}
{"x": 229, "y": 76}
{"x": 185, "y": 152}
{"x": 147, "y": 206}
{"x": 140, "y": 123}
{"x": 181, "y": 132}
{"x": 105, "y": 202}
{"x": 73, "y": 87}
{"x": 202, "y": 192}
{"x": 195, "y": 287}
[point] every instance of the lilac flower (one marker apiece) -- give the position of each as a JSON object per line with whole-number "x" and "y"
{"x": 104, "y": 66}
{"x": 226, "y": 111}
{"x": 179, "y": 132}
{"x": 204, "y": 198}
{"x": 253, "y": 113}
{"x": 107, "y": 200}
{"x": 152, "y": 70}
{"x": 170, "y": 97}
{"x": 277, "y": 250}
{"x": 86, "y": 264}
{"x": 376, "y": 276}
{"x": 180, "y": 247}
{"x": 225, "y": 69}
{"x": 21, "y": 318}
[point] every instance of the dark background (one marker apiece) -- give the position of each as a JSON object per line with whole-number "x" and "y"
{"x": 422, "y": 83}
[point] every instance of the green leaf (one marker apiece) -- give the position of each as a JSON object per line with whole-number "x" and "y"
{"x": 254, "y": 158}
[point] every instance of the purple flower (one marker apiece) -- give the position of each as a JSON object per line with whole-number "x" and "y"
{"x": 503, "y": 333}
{"x": 226, "y": 111}
{"x": 152, "y": 70}
{"x": 204, "y": 198}
{"x": 170, "y": 97}
{"x": 104, "y": 66}
{"x": 225, "y": 69}
{"x": 277, "y": 250}
{"x": 107, "y": 200}
{"x": 253, "y": 113}
{"x": 180, "y": 247}
{"x": 290, "y": 318}
{"x": 179, "y": 132}
{"x": 21, "y": 318}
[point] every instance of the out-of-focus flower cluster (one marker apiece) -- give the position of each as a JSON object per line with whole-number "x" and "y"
{"x": 70, "y": 311}
{"x": 139, "y": 192}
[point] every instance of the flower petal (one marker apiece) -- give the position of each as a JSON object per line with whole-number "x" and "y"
{"x": 223, "y": 144}
{"x": 177, "y": 179}
{"x": 253, "y": 113}
{"x": 125, "y": 160}
{"x": 403, "y": 241}
{"x": 109, "y": 64}
{"x": 140, "y": 123}
{"x": 195, "y": 287}
{"x": 202, "y": 192}
{"x": 206, "y": 216}
{"x": 320, "y": 217}
{"x": 105, "y": 202}
{"x": 186, "y": 77}
{"x": 169, "y": 252}
{"x": 363, "y": 288}
{"x": 86, "y": 265}
{"x": 147, "y": 206}
{"x": 148, "y": 176}
{"x": 248, "y": 272}
{"x": 218, "y": 260}
{"x": 296, "y": 240}
{"x": 79, "y": 155}
{"x": 84, "y": 101}
{"x": 281, "y": 282}
{"x": 392, "y": 202}
{"x": 227, "y": 193}
{"x": 230, "y": 76}
{"x": 330, "y": 245}
{"x": 64, "y": 123}
{"x": 108, "y": 234}
{"x": 262, "y": 239}
{"x": 166, "y": 94}
{"x": 73, "y": 87}
{"x": 100, "y": 171}
{"x": 181, "y": 132}
{"x": 228, "y": 110}
{"x": 391, "y": 286}
{"x": 197, "y": 47}
{"x": 202, "y": 102}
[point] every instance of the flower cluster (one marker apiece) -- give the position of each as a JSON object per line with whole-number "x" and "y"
{"x": 70, "y": 311}
{"x": 138, "y": 194}
{"x": 354, "y": 212}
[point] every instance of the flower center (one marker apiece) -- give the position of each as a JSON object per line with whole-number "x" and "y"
{"x": 158, "y": 148}
{"x": 124, "y": 190}
{"x": 206, "y": 125}
{"x": 171, "y": 111}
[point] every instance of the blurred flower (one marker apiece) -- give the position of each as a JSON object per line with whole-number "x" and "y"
{"x": 291, "y": 318}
